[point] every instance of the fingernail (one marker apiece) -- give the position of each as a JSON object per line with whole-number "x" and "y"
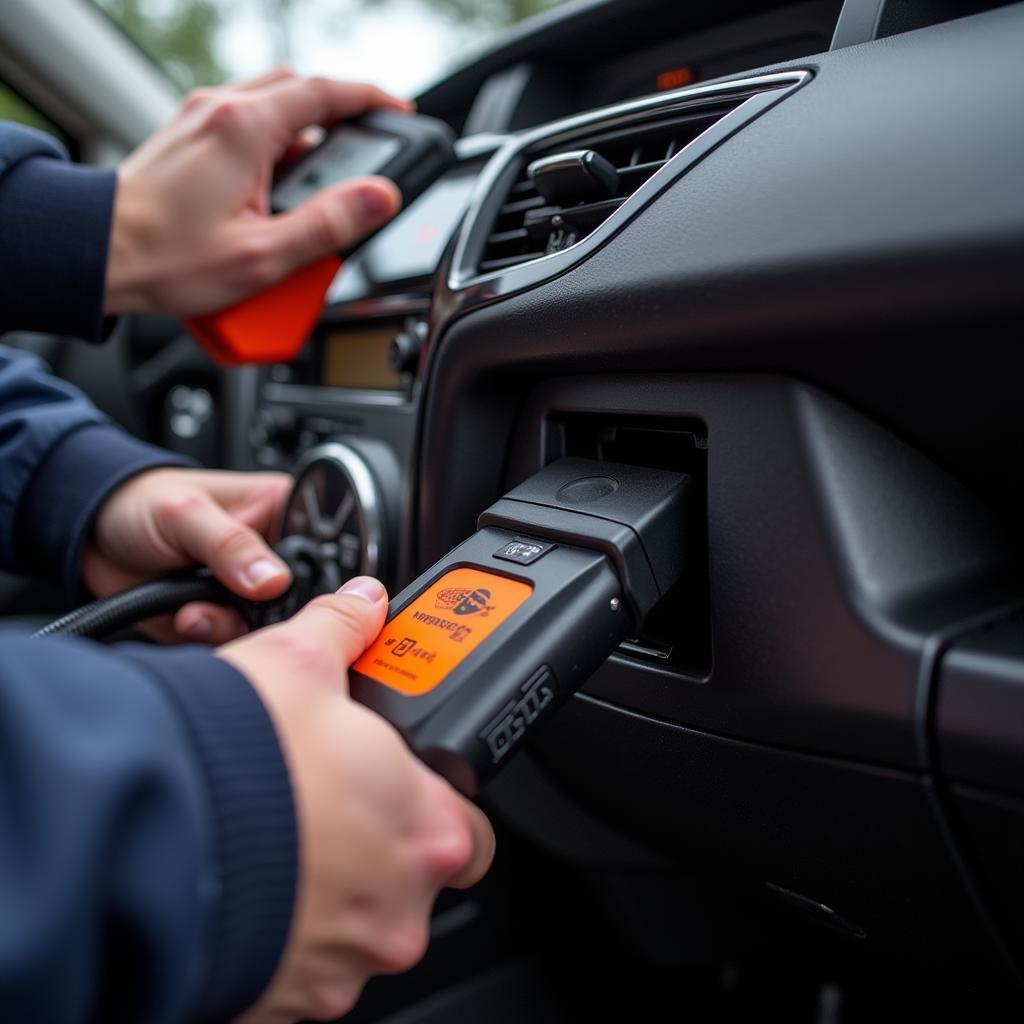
{"x": 201, "y": 628}
{"x": 374, "y": 205}
{"x": 261, "y": 570}
{"x": 365, "y": 587}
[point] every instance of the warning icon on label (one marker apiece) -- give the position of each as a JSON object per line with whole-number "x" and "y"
{"x": 463, "y": 601}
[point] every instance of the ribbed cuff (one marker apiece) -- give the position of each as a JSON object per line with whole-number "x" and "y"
{"x": 59, "y": 216}
{"x": 63, "y": 498}
{"x": 253, "y": 822}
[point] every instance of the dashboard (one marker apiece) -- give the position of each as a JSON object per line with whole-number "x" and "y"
{"x": 805, "y": 293}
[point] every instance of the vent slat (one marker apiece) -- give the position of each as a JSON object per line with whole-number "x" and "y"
{"x": 521, "y": 206}
{"x": 650, "y": 167}
{"x": 501, "y": 237}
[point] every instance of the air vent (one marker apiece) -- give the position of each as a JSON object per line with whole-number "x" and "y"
{"x": 595, "y": 171}
{"x": 528, "y": 226}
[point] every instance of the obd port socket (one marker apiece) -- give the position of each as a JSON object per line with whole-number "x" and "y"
{"x": 678, "y": 634}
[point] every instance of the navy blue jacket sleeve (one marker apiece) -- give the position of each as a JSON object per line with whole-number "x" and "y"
{"x": 147, "y": 836}
{"x": 59, "y": 459}
{"x": 55, "y": 222}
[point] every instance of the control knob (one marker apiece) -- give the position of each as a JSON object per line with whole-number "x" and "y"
{"x": 406, "y": 346}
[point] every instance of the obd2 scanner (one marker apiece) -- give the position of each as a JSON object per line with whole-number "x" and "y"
{"x": 490, "y": 641}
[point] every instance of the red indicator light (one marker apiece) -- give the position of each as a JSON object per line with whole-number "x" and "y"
{"x": 674, "y": 79}
{"x": 427, "y": 233}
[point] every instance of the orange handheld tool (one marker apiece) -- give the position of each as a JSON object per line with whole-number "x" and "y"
{"x": 273, "y": 325}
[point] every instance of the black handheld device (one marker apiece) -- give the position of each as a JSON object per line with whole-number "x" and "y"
{"x": 411, "y": 149}
{"x": 495, "y": 636}
{"x": 273, "y": 325}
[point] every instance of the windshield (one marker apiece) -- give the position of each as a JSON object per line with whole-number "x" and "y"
{"x": 402, "y": 45}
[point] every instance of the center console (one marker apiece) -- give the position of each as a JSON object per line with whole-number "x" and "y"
{"x": 356, "y": 381}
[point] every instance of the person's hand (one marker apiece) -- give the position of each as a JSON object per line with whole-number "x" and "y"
{"x": 191, "y": 229}
{"x": 379, "y": 834}
{"x": 167, "y": 519}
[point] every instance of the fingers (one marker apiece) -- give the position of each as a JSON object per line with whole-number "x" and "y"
{"x": 350, "y": 619}
{"x": 208, "y": 624}
{"x": 295, "y": 103}
{"x": 237, "y": 555}
{"x": 331, "y": 222}
{"x": 256, "y": 499}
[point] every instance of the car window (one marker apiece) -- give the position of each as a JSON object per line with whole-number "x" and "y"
{"x": 14, "y": 108}
{"x": 402, "y": 45}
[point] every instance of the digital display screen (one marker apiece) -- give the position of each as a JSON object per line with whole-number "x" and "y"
{"x": 345, "y": 153}
{"x": 412, "y": 244}
{"x": 357, "y": 357}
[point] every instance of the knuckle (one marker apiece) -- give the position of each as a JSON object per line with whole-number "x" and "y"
{"x": 331, "y": 1002}
{"x": 226, "y": 116}
{"x": 404, "y": 948}
{"x": 196, "y": 98}
{"x": 451, "y": 852}
{"x": 180, "y": 508}
{"x": 320, "y": 84}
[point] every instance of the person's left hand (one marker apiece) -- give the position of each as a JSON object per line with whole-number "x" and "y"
{"x": 168, "y": 519}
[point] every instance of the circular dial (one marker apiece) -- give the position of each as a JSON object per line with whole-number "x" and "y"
{"x": 334, "y": 514}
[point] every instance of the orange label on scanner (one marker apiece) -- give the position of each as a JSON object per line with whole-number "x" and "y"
{"x": 430, "y": 636}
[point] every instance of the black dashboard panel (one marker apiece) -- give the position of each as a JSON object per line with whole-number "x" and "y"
{"x": 829, "y": 565}
{"x": 828, "y": 302}
{"x": 859, "y": 235}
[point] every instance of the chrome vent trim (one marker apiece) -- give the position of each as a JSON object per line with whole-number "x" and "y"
{"x": 718, "y": 110}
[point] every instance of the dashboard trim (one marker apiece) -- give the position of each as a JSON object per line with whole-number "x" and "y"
{"x": 375, "y": 307}
{"x": 328, "y": 397}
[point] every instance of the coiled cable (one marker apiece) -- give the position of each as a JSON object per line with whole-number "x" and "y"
{"x": 101, "y": 619}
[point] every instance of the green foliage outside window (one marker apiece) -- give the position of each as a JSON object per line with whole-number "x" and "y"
{"x": 14, "y": 108}
{"x": 177, "y": 34}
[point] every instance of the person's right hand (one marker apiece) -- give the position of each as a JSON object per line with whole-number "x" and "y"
{"x": 379, "y": 834}
{"x": 192, "y": 231}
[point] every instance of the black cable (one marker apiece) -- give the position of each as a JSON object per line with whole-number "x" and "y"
{"x": 314, "y": 571}
{"x": 108, "y": 615}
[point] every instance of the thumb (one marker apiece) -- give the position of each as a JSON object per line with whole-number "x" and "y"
{"x": 332, "y": 221}
{"x": 350, "y": 619}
